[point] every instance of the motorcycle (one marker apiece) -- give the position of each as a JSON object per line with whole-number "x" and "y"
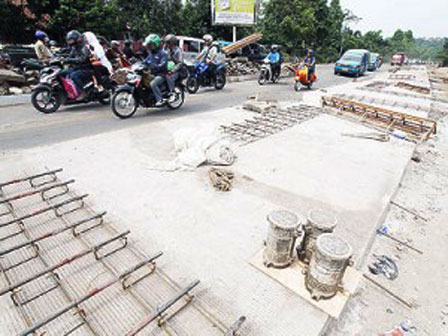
{"x": 199, "y": 77}
{"x": 301, "y": 78}
{"x": 266, "y": 74}
{"x": 137, "y": 92}
{"x": 54, "y": 89}
{"x": 31, "y": 64}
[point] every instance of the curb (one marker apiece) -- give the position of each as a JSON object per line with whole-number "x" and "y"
{"x": 14, "y": 100}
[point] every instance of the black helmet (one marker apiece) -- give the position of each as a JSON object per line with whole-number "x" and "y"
{"x": 73, "y": 37}
{"x": 128, "y": 43}
{"x": 170, "y": 38}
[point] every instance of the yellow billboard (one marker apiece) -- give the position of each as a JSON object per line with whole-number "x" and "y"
{"x": 234, "y": 12}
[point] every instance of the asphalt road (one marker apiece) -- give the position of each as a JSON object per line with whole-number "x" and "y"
{"x": 23, "y": 127}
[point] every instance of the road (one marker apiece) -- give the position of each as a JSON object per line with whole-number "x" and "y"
{"x": 23, "y": 127}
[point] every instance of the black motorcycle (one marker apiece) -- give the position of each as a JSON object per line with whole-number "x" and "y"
{"x": 137, "y": 92}
{"x": 200, "y": 76}
{"x": 51, "y": 92}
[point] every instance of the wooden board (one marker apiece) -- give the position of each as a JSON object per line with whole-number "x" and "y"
{"x": 293, "y": 278}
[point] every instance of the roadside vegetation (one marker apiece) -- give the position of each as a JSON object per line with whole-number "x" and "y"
{"x": 295, "y": 24}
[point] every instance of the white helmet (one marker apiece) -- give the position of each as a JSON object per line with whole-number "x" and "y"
{"x": 208, "y": 38}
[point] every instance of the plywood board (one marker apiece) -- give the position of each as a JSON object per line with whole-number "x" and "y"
{"x": 293, "y": 278}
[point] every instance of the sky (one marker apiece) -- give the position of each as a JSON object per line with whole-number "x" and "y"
{"x": 426, "y": 18}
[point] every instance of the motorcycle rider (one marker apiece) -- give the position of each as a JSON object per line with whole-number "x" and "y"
{"x": 176, "y": 56}
{"x": 157, "y": 60}
{"x": 310, "y": 62}
{"x": 43, "y": 53}
{"x": 79, "y": 57}
{"x": 128, "y": 51}
{"x": 274, "y": 59}
{"x": 116, "y": 56}
{"x": 209, "y": 54}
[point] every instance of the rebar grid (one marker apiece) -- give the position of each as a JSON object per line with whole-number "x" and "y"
{"x": 413, "y": 87}
{"x": 116, "y": 310}
{"x": 383, "y": 101}
{"x": 416, "y": 128}
{"x": 268, "y": 123}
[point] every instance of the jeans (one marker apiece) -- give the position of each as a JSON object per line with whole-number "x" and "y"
{"x": 275, "y": 69}
{"x": 81, "y": 78}
{"x": 155, "y": 87}
{"x": 311, "y": 71}
{"x": 171, "y": 80}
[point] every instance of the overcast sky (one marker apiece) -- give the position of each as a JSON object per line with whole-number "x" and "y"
{"x": 426, "y": 18}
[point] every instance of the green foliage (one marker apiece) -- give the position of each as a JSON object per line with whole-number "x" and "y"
{"x": 442, "y": 55}
{"x": 99, "y": 16}
{"x": 12, "y": 18}
{"x": 290, "y": 23}
{"x": 295, "y": 24}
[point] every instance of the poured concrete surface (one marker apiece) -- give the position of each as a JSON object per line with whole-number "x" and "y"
{"x": 211, "y": 235}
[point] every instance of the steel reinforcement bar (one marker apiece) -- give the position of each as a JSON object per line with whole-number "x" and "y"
{"x": 69, "y": 260}
{"x": 416, "y": 128}
{"x": 89, "y": 295}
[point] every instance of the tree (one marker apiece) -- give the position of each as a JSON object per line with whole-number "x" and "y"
{"x": 443, "y": 54}
{"x": 291, "y": 23}
{"x": 14, "y": 23}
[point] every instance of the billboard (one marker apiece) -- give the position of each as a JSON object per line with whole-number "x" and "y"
{"x": 234, "y": 12}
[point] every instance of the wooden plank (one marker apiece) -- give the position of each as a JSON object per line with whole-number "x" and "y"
{"x": 293, "y": 278}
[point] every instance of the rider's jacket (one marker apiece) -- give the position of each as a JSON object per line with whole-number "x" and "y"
{"x": 158, "y": 61}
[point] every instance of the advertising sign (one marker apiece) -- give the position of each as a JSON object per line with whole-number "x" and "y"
{"x": 234, "y": 12}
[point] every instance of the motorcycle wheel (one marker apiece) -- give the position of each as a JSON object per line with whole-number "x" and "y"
{"x": 262, "y": 78}
{"x": 220, "y": 80}
{"x": 124, "y": 104}
{"x": 45, "y": 101}
{"x": 297, "y": 86}
{"x": 192, "y": 85}
{"x": 177, "y": 98}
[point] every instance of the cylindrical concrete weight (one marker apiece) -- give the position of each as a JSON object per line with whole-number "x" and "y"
{"x": 319, "y": 221}
{"x": 282, "y": 234}
{"x": 330, "y": 259}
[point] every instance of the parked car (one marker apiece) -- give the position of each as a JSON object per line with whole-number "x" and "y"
{"x": 398, "y": 59}
{"x": 353, "y": 62}
{"x": 191, "y": 48}
{"x": 374, "y": 62}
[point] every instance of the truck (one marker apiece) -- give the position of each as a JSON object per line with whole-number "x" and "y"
{"x": 398, "y": 59}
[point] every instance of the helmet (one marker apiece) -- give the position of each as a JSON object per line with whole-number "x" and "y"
{"x": 215, "y": 44}
{"x": 114, "y": 44}
{"x": 128, "y": 43}
{"x": 311, "y": 51}
{"x": 274, "y": 48}
{"x": 152, "y": 39}
{"x": 73, "y": 37}
{"x": 170, "y": 38}
{"x": 53, "y": 43}
{"x": 208, "y": 38}
{"x": 40, "y": 35}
